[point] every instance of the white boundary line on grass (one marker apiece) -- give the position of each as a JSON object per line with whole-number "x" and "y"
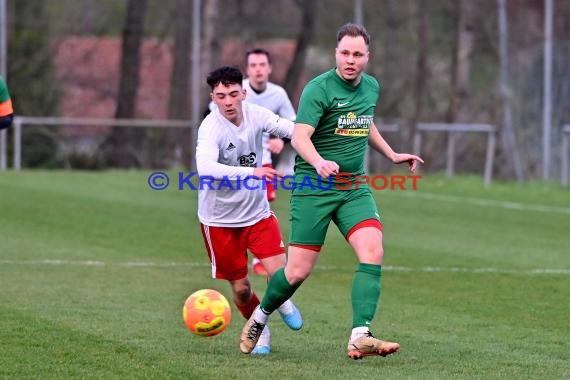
{"x": 389, "y": 268}
{"x": 487, "y": 202}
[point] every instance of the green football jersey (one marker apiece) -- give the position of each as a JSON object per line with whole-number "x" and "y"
{"x": 341, "y": 115}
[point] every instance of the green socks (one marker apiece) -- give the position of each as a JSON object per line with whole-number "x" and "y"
{"x": 365, "y": 294}
{"x": 278, "y": 291}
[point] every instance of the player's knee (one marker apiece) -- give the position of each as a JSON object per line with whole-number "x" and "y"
{"x": 241, "y": 292}
{"x": 297, "y": 275}
{"x": 371, "y": 254}
{"x": 378, "y": 251}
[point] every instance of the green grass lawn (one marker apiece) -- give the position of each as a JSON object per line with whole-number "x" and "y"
{"x": 95, "y": 267}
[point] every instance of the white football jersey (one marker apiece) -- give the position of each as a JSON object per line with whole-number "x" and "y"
{"x": 226, "y": 154}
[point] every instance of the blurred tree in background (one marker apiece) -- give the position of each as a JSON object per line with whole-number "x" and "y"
{"x": 33, "y": 85}
{"x": 31, "y": 75}
{"x": 437, "y": 61}
{"x": 124, "y": 143}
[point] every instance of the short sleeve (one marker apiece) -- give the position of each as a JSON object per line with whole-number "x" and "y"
{"x": 311, "y": 105}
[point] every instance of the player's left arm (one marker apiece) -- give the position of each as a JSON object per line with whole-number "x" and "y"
{"x": 285, "y": 110}
{"x": 275, "y": 144}
{"x": 278, "y": 126}
{"x": 377, "y": 142}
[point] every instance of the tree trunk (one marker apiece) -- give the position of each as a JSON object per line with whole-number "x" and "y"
{"x": 122, "y": 138}
{"x": 390, "y": 40}
{"x": 31, "y": 60}
{"x": 303, "y": 40}
{"x": 461, "y": 64}
{"x": 247, "y": 12}
{"x": 509, "y": 149}
{"x": 178, "y": 104}
{"x": 211, "y": 52}
{"x": 422, "y": 71}
{"x": 178, "y": 141}
{"x": 130, "y": 58}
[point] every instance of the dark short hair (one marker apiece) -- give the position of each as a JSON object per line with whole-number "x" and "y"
{"x": 258, "y": 51}
{"x": 353, "y": 30}
{"x": 225, "y": 75}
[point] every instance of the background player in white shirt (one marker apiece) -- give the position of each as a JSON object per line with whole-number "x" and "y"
{"x": 235, "y": 215}
{"x": 273, "y": 97}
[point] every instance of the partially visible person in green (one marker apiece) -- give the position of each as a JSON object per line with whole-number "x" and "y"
{"x": 334, "y": 127}
{"x": 6, "y": 110}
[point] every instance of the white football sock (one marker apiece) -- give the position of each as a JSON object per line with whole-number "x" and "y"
{"x": 286, "y": 308}
{"x": 357, "y": 332}
{"x": 260, "y": 316}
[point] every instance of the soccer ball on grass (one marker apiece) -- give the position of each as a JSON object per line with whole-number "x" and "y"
{"x": 206, "y": 312}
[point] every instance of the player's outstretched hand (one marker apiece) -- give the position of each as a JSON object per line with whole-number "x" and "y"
{"x": 326, "y": 168}
{"x": 268, "y": 173}
{"x": 411, "y": 159}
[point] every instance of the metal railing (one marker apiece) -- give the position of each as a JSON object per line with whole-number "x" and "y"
{"x": 565, "y": 156}
{"x": 20, "y": 121}
{"x": 452, "y": 131}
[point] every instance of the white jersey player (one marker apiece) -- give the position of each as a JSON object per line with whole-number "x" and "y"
{"x": 273, "y": 97}
{"x": 267, "y": 94}
{"x": 227, "y": 155}
{"x": 235, "y": 217}
{"x": 262, "y": 92}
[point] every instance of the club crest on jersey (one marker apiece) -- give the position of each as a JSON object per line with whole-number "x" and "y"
{"x": 353, "y": 125}
{"x": 248, "y": 160}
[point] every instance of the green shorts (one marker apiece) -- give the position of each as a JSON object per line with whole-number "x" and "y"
{"x": 311, "y": 214}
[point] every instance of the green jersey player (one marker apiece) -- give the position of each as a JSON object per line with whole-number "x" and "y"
{"x": 334, "y": 126}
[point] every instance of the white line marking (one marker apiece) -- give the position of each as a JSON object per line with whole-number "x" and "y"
{"x": 487, "y": 202}
{"x": 52, "y": 262}
{"x": 389, "y": 268}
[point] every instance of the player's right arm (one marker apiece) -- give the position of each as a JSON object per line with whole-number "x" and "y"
{"x": 286, "y": 111}
{"x": 312, "y": 106}
{"x": 302, "y": 143}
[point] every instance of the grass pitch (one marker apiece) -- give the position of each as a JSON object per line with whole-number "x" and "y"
{"x": 95, "y": 267}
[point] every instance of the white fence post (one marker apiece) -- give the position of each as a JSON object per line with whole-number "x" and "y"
{"x": 451, "y": 139}
{"x": 3, "y": 153}
{"x": 489, "y": 158}
{"x": 17, "y": 143}
{"x": 565, "y": 156}
{"x": 20, "y": 121}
